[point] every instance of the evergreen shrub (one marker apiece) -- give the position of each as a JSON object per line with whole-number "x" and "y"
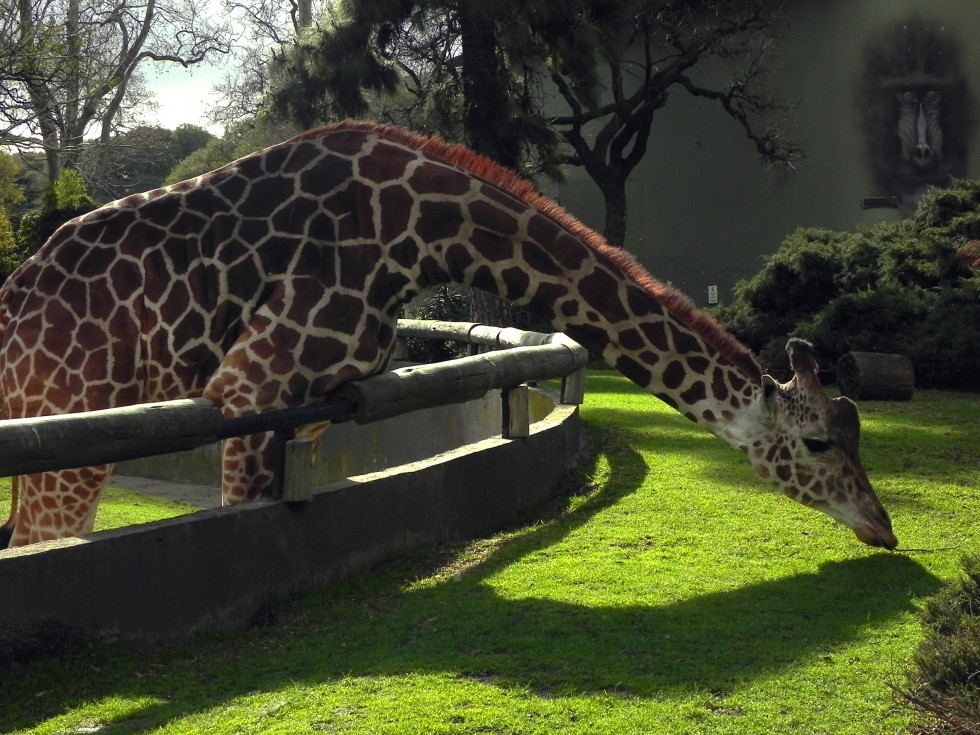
{"x": 444, "y": 303}
{"x": 910, "y": 287}
{"x": 944, "y": 682}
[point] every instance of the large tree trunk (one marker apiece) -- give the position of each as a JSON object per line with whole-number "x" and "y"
{"x": 487, "y": 121}
{"x": 614, "y": 196}
{"x": 489, "y": 128}
{"x": 874, "y": 376}
{"x": 72, "y": 135}
{"x": 304, "y": 14}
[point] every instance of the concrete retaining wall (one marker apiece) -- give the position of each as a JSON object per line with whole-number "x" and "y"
{"x": 216, "y": 569}
{"x": 353, "y": 449}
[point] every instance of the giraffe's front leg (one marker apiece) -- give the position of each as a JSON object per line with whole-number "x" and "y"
{"x": 258, "y": 374}
{"x": 246, "y": 468}
{"x": 56, "y": 505}
{"x": 247, "y": 463}
{"x": 298, "y": 346}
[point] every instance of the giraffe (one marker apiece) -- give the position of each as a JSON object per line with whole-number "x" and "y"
{"x": 270, "y": 281}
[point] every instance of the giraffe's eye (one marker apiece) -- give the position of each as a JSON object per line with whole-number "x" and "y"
{"x": 817, "y": 446}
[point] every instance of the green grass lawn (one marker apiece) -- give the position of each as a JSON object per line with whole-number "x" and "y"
{"x": 672, "y": 592}
{"x": 119, "y": 507}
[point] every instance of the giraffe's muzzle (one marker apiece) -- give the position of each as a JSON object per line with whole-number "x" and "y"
{"x": 874, "y": 527}
{"x": 868, "y": 519}
{"x": 877, "y": 535}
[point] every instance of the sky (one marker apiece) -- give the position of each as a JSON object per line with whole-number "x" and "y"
{"x": 183, "y": 95}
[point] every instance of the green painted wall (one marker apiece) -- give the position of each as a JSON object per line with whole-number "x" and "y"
{"x": 704, "y": 210}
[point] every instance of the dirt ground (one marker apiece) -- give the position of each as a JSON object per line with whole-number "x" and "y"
{"x": 200, "y": 496}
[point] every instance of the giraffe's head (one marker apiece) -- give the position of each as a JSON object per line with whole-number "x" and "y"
{"x": 808, "y": 447}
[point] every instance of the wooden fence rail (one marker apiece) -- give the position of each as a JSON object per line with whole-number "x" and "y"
{"x": 112, "y": 435}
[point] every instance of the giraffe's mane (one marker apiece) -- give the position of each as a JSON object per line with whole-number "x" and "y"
{"x": 483, "y": 168}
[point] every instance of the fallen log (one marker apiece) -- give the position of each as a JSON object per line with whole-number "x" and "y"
{"x": 875, "y": 376}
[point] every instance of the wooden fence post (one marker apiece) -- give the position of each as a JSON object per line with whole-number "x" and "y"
{"x": 297, "y": 469}
{"x": 573, "y": 388}
{"x": 516, "y": 415}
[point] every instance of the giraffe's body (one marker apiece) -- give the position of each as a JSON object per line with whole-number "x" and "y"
{"x": 272, "y": 280}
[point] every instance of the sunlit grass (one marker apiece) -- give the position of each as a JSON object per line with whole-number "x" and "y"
{"x": 119, "y": 507}
{"x": 671, "y": 592}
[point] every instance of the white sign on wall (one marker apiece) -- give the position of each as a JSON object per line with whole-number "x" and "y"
{"x": 712, "y": 295}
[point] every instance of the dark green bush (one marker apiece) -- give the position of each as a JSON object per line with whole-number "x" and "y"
{"x": 909, "y": 287}
{"x": 946, "y": 351}
{"x": 945, "y": 680}
{"x": 952, "y": 211}
{"x": 871, "y": 321}
{"x": 445, "y": 303}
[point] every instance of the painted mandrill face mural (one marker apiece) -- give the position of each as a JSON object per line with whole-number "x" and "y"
{"x": 917, "y": 112}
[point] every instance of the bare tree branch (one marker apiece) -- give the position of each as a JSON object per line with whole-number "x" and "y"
{"x": 67, "y": 66}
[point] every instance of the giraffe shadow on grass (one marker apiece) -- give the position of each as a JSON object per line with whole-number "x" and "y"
{"x": 461, "y": 625}
{"x": 455, "y": 623}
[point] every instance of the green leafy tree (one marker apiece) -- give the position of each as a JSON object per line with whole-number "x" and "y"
{"x": 9, "y": 259}
{"x": 11, "y": 193}
{"x": 405, "y": 63}
{"x": 187, "y": 138}
{"x": 239, "y": 140}
{"x": 140, "y": 159}
{"x": 32, "y": 181}
{"x": 66, "y": 200}
{"x": 69, "y": 191}
{"x": 217, "y": 152}
{"x": 262, "y": 24}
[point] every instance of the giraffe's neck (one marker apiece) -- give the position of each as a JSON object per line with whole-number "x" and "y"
{"x": 655, "y": 338}
{"x": 532, "y": 254}
{"x": 693, "y": 367}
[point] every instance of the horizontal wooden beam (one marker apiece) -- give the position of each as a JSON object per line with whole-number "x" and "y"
{"x": 411, "y": 388}
{"x": 102, "y": 437}
{"x": 480, "y": 334}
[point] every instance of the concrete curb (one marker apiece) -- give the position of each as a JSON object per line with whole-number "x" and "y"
{"x": 216, "y": 569}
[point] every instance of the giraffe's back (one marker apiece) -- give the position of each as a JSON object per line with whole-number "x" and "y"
{"x": 144, "y": 297}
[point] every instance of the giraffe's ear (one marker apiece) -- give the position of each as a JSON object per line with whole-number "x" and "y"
{"x": 770, "y": 393}
{"x": 801, "y": 357}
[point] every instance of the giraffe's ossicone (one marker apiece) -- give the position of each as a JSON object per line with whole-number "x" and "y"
{"x": 274, "y": 279}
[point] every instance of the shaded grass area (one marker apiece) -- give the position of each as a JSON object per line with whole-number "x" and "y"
{"x": 669, "y": 591}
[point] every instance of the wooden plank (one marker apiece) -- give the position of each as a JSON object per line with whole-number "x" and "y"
{"x": 434, "y": 329}
{"x": 479, "y": 334}
{"x": 100, "y": 437}
{"x": 516, "y": 414}
{"x": 573, "y": 388}
{"x": 297, "y": 481}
